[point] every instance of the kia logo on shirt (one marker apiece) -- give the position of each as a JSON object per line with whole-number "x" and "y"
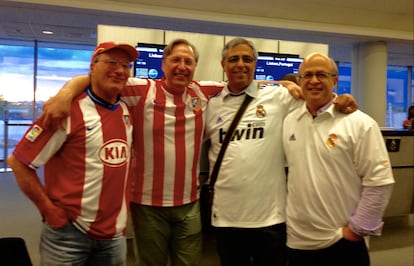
{"x": 114, "y": 153}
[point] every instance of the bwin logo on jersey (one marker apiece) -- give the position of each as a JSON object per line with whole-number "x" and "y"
{"x": 114, "y": 153}
{"x": 251, "y": 132}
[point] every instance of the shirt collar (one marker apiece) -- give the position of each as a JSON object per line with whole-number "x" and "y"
{"x": 96, "y": 99}
{"x": 327, "y": 108}
{"x": 250, "y": 90}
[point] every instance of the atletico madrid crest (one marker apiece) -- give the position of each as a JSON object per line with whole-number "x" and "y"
{"x": 196, "y": 103}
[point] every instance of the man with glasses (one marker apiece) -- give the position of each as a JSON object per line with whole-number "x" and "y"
{"x": 340, "y": 178}
{"x": 84, "y": 199}
{"x": 250, "y": 192}
{"x": 169, "y": 119}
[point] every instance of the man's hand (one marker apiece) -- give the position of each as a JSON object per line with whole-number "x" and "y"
{"x": 348, "y": 234}
{"x": 54, "y": 113}
{"x": 292, "y": 87}
{"x": 55, "y": 217}
{"x": 346, "y": 103}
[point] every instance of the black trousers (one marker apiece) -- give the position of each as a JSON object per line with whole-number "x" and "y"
{"x": 342, "y": 253}
{"x": 252, "y": 246}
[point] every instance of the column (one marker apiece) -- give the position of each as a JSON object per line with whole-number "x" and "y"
{"x": 369, "y": 79}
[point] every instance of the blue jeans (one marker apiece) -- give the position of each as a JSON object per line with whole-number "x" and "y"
{"x": 69, "y": 246}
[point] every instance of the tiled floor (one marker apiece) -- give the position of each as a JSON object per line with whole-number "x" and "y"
{"x": 19, "y": 218}
{"x": 394, "y": 248}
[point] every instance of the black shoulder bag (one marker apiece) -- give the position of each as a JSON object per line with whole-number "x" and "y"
{"x": 207, "y": 190}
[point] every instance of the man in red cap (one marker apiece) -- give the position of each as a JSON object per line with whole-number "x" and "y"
{"x": 169, "y": 115}
{"x": 83, "y": 201}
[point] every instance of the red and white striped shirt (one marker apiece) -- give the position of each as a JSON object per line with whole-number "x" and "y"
{"x": 86, "y": 166}
{"x": 168, "y": 134}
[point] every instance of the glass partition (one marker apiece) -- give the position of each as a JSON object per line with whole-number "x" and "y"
{"x": 30, "y": 73}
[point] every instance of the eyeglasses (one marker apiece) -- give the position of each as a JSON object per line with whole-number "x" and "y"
{"x": 113, "y": 63}
{"x": 319, "y": 75}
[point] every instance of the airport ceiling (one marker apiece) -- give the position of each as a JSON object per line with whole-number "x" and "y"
{"x": 341, "y": 24}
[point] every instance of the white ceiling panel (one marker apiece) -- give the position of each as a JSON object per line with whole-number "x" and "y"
{"x": 340, "y": 24}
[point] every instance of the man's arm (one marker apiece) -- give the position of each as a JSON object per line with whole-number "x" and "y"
{"x": 292, "y": 87}
{"x": 57, "y": 108}
{"x": 367, "y": 218}
{"x": 29, "y": 183}
{"x": 344, "y": 103}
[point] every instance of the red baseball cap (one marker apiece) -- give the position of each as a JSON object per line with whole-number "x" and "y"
{"x": 106, "y": 46}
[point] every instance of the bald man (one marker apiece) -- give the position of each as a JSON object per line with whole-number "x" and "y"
{"x": 340, "y": 178}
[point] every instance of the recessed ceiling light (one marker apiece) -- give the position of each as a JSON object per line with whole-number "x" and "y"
{"x": 47, "y": 32}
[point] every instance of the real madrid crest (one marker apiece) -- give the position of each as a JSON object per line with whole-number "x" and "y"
{"x": 260, "y": 111}
{"x": 331, "y": 141}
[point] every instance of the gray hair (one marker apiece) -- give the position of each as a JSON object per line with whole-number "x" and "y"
{"x": 169, "y": 48}
{"x": 235, "y": 42}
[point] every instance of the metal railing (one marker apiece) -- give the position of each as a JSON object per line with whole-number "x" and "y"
{"x": 6, "y": 143}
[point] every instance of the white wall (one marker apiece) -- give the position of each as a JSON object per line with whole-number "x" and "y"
{"x": 129, "y": 35}
{"x": 208, "y": 45}
{"x": 303, "y": 49}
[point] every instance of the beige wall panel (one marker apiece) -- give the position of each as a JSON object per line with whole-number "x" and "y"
{"x": 209, "y": 46}
{"x": 303, "y": 49}
{"x": 402, "y": 198}
{"x": 129, "y": 34}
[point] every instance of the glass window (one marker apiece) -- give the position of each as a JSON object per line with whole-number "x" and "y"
{"x": 22, "y": 95}
{"x": 16, "y": 94}
{"x": 344, "y": 78}
{"x": 397, "y": 96}
{"x": 16, "y": 75}
{"x": 55, "y": 66}
{"x": 399, "y": 93}
{"x": 412, "y": 87}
